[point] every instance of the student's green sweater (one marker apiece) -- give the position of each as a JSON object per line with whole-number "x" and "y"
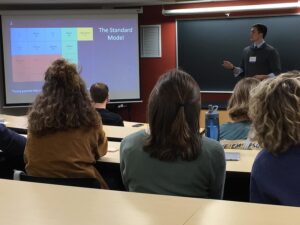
{"x": 202, "y": 177}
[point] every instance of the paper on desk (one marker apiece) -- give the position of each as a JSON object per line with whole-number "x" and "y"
{"x": 112, "y": 149}
{"x": 3, "y": 121}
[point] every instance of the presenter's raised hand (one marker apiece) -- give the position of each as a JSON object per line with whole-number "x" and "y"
{"x": 228, "y": 65}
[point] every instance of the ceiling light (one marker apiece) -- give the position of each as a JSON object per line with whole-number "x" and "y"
{"x": 229, "y": 9}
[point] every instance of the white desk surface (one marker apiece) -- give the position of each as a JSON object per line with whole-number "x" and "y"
{"x": 113, "y": 153}
{"x": 43, "y": 204}
{"x": 237, "y": 213}
{"x": 243, "y": 165}
{"x": 121, "y": 132}
{"x": 20, "y": 122}
{"x": 24, "y": 203}
{"x": 14, "y": 121}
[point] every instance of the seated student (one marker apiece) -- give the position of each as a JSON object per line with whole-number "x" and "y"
{"x": 99, "y": 95}
{"x": 173, "y": 158}
{"x": 275, "y": 112}
{"x": 11, "y": 143}
{"x": 65, "y": 135}
{"x": 12, "y": 147}
{"x": 238, "y": 108}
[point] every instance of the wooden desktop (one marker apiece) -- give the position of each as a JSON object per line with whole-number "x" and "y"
{"x": 237, "y": 177}
{"x": 237, "y": 172}
{"x": 19, "y": 123}
{"x": 114, "y": 133}
{"x": 244, "y": 165}
{"x": 35, "y": 204}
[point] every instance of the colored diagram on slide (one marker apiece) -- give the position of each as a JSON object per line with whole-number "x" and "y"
{"x": 34, "y": 49}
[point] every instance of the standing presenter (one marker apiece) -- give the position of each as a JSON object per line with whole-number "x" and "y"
{"x": 259, "y": 60}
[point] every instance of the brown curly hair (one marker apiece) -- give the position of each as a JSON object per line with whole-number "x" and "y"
{"x": 238, "y": 105}
{"x": 64, "y": 102}
{"x": 275, "y": 112}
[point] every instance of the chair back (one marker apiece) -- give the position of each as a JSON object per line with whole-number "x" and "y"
{"x": 77, "y": 182}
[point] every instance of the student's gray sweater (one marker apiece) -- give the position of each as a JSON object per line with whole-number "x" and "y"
{"x": 265, "y": 60}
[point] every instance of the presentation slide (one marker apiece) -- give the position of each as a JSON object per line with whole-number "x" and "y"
{"x": 104, "y": 47}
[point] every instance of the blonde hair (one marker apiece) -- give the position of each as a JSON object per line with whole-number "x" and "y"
{"x": 238, "y": 105}
{"x": 275, "y": 112}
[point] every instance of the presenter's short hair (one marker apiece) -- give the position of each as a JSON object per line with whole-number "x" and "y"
{"x": 99, "y": 92}
{"x": 261, "y": 29}
{"x": 238, "y": 105}
{"x": 275, "y": 112}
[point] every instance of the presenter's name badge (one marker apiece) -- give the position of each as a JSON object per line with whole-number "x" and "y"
{"x": 252, "y": 59}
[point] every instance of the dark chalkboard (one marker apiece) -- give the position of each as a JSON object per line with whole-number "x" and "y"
{"x": 202, "y": 45}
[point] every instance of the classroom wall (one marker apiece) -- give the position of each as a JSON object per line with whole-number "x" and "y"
{"x": 152, "y": 68}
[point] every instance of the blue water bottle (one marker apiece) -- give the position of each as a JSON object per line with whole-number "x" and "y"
{"x": 212, "y": 126}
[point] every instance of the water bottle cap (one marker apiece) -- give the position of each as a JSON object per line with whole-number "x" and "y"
{"x": 212, "y": 108}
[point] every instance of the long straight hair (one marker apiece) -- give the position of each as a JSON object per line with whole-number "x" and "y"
{"x": 173, "y": 114}
{"x": 238, "y": 105}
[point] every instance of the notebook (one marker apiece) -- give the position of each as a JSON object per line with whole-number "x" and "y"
{"x": 232, "y": 156}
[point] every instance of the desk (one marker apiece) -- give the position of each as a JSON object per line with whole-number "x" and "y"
{"x": 19, "y": 123}
{"x": 35, "y": 204}
{"x": 114, "y": 133}
{"x": 244, "y": 165}
{"x": 234, "y": 213}
{"x": 135, "y": 124}
{"x": 15, "y": 122}
{"x": 43, "y": 204}
{"x": 237, "y": 185}
{"x": 113, "y": 153}
{"x": 237, "y": 172}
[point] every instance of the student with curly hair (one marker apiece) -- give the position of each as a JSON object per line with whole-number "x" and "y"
{"x": 173, "y": 158}
{"x": 65, "y": 135}
{"x": 275, "y": 112}
{"x": 238, "y": 107}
